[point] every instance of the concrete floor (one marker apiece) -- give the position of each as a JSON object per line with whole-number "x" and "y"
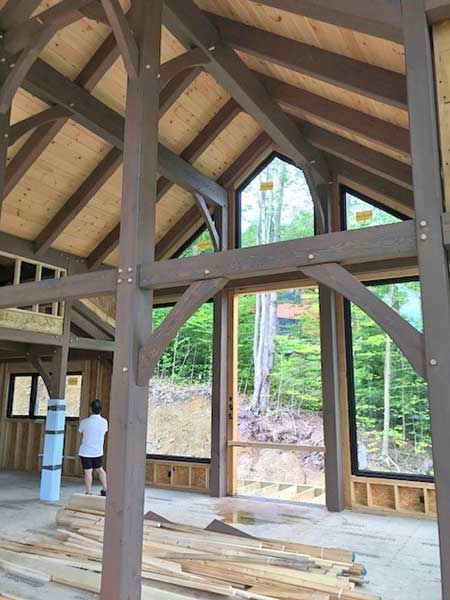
{"x": 401, "y": 554}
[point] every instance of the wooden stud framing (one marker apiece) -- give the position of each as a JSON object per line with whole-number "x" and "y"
{"x": 122, "y": 559}
{"x": 433, "y": 261}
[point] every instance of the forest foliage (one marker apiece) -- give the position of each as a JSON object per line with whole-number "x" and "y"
{"x": 391, "y": 406}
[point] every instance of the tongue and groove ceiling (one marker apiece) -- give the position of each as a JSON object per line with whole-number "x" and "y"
{"x": 336, "y": 108}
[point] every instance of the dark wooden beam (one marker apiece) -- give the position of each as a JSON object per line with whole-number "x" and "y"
{"x": 49, "y": 340}
{"x": 379, "y": 19}
{"x": 180, "y": 233}
{"x": 353, "y": 75}
{"x": 48, "y": 115}
{"x": 124, "y": 36}
{"x": 4, "y": 133}
{"x": 433, "y": 259}
{"x": 249, "y": 158}
{"x": 377, "y": 163}
{"x": 208, "y": 134}
{"x": 348, "y": 247}
{"x": 408, "y": 339}
{"x": 28, "y": 32}
{"x": 36, "y": 361}
{"x": 99, "y": 283}
{"x": 209, "y": 222}
{"x": 44, "y": 81}
{"x": 175, "y": 87}
{"x": 388, "y": 192}
{"x": 155, "y": 345}
{"x": 123, "y": 537}
{"x": 220, "y": 370}
{"x": 78, "y": 200}
{"x": 16, "y": 11}
{"x": 42, "y": 137}
{"x": 231, "y": 72}
{"x": 171, "y": 68}
{"x": 437, "y": 10}
{"x": 88, "y": 327}
{"x": 101, "y": 324}
{"x": 303, "y": 103}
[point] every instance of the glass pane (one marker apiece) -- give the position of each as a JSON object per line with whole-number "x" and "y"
{"x": 276, "y": 206}
{"x": 392, "y": 413}
{"x": 201, "y": 245}
{"x": 361, "y": 214}
{"x": 42, "y": 397}
{"x": 279, "y": 386}
{"x": 73, "y": 396}
{"x": 179, "y": 420}
{"x": 21, "y": 386}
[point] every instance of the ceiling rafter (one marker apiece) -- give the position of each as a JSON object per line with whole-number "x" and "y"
{"x": 124, "y": 36}
{"x": 231, "y": 72}
{"x": 380, "y": 19}
{"x": 199, "y": 144}
{"x": 16, "y": 11}
{"x": 353, "y": 75}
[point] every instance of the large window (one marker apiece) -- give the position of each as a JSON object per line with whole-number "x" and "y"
{"x": 179, "y": 419}
{"x": 274, "y": 205}
{"x": 389, "y": 413}
{"x": 28, "y": 396}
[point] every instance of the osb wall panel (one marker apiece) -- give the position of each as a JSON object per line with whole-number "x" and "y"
{"x": 21, "y": 440}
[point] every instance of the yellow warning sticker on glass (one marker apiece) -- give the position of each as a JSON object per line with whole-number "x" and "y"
{"x": 364, "y": 215}
{"x": 266, "y": 186}
{"x": 72, "y": 381}
{"x": 204, "y": 245}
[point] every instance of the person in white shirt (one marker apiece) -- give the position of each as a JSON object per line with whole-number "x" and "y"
{"x": 93, "y": 430}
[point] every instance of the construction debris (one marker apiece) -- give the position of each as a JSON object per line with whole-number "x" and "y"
{"x": 187, "y": 557}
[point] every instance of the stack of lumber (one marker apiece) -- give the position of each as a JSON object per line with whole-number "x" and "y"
{"x": 225, "y": 564}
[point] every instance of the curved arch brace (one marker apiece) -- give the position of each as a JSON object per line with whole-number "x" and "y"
{"x": 408, "y": 339}
{"x": 192, "y": 58}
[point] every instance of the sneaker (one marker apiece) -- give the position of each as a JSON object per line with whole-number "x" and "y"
{"x": 103, "y": 493}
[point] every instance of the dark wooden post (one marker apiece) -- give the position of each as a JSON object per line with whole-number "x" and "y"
{"x": 122, "y": 558}
{"x": 433, "y": 260}
{"x": 334, "y": 478}
{"x": 219, "y": 407}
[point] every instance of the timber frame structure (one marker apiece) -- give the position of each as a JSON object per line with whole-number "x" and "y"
{"x": 88, "y": 87}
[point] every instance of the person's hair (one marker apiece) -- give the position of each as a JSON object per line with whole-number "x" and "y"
{"x": 96, "y": 407}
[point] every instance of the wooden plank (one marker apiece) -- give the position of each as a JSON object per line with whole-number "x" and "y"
{"x": 249, "y": 158}
{"x": 441, "y": 40}
{"x": 379, "y": 19}
{"x": 4, "y": 134}
{"x": 408, "y": 339}
{"x": 368, "y": 127}
{"x": 230, "y": 71}
{"x": 349, "y": 247}
{"x": 353, "y": 75}
{"x": 124, "y": 36}
{"x": 153, "y": 348}
{"x": 123, "y": 537}
{"x": 433, "y": 261}
{"x": 78, "y": 200}
{"x": 84, "y": 285}
{"x": 210, "y": 225}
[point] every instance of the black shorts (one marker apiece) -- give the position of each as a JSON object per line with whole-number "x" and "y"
{"x": 91, "y": 463}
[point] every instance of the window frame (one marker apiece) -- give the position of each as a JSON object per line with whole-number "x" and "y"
{"x": 176, "y": 457}
{"x": 238, "y": 194}
{"x": 351, "y": 391}
{"x": 33, "y": 396}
